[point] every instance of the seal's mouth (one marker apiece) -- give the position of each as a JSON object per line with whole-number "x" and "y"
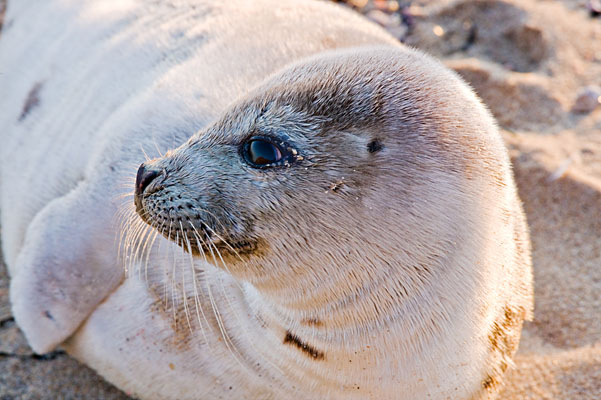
{"x": 195, "y": 230}
{"x": 211, "y": 247}
{"x": 194, "y": 235}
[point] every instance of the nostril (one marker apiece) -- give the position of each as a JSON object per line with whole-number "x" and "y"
{"x": 143, "y": 178}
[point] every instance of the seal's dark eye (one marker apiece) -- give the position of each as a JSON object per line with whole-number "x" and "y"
{"x": 262, "y": 152}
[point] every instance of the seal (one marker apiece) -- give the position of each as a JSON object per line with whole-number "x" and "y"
{"x": 337, "y": 218}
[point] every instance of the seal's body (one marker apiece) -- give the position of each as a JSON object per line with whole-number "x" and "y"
{"x": 342, "y": 222}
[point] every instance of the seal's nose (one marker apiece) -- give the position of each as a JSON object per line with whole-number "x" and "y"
{"x": 143, "y": 178}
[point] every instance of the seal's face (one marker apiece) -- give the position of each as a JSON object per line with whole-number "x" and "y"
{"x": 314, "y": 168}
{"x": 270, "y": 181}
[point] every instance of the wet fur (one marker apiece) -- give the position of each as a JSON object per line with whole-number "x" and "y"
{"x": 390, "y": 261}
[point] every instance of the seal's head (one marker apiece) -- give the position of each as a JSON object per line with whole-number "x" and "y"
{"x": 346, "y": 165}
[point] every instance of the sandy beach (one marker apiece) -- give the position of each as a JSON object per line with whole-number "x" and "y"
{"x": 537, "y": 66}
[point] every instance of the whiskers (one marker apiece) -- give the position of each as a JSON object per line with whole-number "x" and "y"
{"x": 186, "y": 293}
{"x": 182, "y": 295}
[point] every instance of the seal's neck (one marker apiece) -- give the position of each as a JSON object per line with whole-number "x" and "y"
{"x": 355, "y": 300}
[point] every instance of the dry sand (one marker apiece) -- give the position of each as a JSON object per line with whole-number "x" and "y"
{"x": 531, "y": 62}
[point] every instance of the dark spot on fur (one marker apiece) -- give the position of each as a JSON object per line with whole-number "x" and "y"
{"x": 304, "y": 347}
{"x": 374, "y": 146}
{"x": 32, "y": 100}
{"x": 312, "y": 322}
{"x": 48, "y": 315}
{"x": 2, "y": 13}
{"x": 502, "y": 336}
{"x": 489, "y": 383}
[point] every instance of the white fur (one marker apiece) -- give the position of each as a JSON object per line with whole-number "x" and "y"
{"x": 120, "y": 78}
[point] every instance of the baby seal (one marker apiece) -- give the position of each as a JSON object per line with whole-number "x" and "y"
{"x": 338, "y": 218}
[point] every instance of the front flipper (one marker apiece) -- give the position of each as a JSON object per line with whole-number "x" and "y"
{"x": 67, "y": 265}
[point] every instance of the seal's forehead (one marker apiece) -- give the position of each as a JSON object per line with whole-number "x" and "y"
{"x": 263, "y": 114}
{"x": 382, "y": 90}
{"x": 355, "y": 88}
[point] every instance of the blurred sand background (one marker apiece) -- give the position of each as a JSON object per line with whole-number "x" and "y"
{"x": 537, "y": 65}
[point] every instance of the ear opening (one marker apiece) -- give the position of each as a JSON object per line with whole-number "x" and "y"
{"x": 375, "y": 146}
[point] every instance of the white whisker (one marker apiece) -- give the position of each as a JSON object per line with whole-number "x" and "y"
{"x": 145, "y": 155}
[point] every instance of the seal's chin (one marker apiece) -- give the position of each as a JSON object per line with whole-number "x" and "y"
{"x": 195, "y": 236}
